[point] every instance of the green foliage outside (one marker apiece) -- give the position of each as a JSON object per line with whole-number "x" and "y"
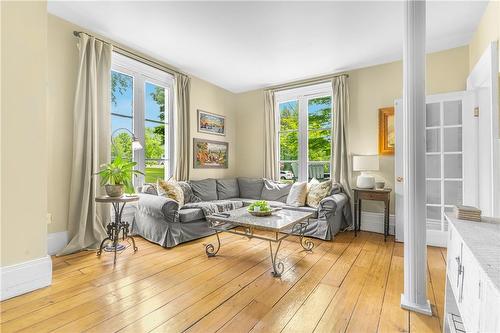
{"x": 319, "y": 126}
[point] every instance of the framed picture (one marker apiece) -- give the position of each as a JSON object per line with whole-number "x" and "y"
{"x": 211, "y": 123}
{"x": 209, "y": 154}
{"x": 386, "y": 137}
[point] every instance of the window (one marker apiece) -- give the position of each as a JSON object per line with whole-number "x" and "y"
{"x": 305, "y": 132}
{"x": 141, "y": 102}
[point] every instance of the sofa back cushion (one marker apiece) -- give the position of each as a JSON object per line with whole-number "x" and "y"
{"x": 274, "y": 191}
{"x": 205, "y": 189}
{"x": 227, "y": 188}
{"x": 250, "y": 188}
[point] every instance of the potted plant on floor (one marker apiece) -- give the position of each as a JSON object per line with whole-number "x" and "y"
{"x": 116, "y": 176}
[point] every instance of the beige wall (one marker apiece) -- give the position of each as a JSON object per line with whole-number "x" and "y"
{"x": 370, "y": 89}
{"x": 208, "y": 97}
{"x": 62, "y": 65}
{"x": 23, "y": 131}
{"x": 488, "y": 30}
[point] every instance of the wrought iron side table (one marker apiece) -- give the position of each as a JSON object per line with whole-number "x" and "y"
{"x": 114, "y": 228}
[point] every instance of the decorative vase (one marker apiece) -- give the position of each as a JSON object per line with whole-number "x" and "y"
{"x": 114, "y": 191}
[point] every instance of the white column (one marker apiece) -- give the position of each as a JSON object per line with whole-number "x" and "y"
{"x": 415, "y": 251}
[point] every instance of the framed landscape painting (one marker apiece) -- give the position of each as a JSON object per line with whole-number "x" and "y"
{"x": 386, "y": 135}
{"x": 209, "y": 154}
{"x": 211, "y": 123}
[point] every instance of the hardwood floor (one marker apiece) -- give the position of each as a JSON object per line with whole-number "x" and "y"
{"x": 352, "y": 284}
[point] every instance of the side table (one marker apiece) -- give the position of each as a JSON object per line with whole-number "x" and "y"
{"x": 114, "y": 228}
{"x": 371, "y": 194}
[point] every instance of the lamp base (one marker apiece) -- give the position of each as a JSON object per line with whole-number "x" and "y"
{"x": 365, "y": 181}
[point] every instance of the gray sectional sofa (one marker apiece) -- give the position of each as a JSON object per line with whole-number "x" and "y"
{"x": 161, "y": 220}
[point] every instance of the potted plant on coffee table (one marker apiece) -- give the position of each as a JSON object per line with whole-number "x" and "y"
{"x": 116, "y": 176}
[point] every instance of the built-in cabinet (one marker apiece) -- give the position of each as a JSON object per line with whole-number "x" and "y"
{"x": 473, "y": 277}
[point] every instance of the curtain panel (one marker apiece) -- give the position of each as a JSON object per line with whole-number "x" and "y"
{"x": 91, "y": 145}
{"x": 341, "y": 162}
{"x": 182, "y": 126}
{"x": 271, "y": 163}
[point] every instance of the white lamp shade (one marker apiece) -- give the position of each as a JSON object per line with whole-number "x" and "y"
{"x": 365, "y": 163}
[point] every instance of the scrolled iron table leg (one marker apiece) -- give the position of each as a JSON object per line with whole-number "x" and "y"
{"x": 306, "y": 243}
{"x": 278, "y": 266}
{"x": 210, "y": 249}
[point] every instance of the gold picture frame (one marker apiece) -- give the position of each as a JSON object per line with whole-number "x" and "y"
{"x": 386, "y": 134}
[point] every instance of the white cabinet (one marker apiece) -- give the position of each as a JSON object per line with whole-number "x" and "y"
{"x": 473, "y": 276}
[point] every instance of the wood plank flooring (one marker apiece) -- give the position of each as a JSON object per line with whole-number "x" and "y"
{"x": 352, "y": 284}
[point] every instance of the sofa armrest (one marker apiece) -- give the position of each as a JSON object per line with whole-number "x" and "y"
{"x": 332, "y": 202}
{"x": 159, "y": 206}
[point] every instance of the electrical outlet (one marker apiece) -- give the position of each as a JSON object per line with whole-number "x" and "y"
{"x": 49, "y": 218}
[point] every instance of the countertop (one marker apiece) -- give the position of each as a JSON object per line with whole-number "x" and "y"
{"x": 483, "y": 240}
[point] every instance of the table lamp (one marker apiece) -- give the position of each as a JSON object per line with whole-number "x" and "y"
{"x": 365, "y": 163}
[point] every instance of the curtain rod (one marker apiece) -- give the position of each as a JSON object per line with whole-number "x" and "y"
{"x": 297, "y": 84}
{"x": 131, "y": 54}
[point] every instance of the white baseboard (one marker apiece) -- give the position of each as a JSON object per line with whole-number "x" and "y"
{"x": 56, "y": 241}
{"x": 25, "y": 277}
{"x": 374, "y": 222}
{"x": 437, "y": 238}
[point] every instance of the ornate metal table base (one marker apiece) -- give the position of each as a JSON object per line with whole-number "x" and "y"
{"x": 114, "y": 229}
{"x": 278, "y": 266}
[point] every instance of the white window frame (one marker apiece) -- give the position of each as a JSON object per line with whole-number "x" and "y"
{"x": 302, "y": 95}
{"x": 142, "y": 73}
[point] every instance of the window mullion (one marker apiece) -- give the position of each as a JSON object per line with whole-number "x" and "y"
{"x": 303, "y": 139}
{"x": 139, "y": 126}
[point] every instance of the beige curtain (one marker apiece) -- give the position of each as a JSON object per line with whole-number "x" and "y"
{"x": 182, "y": 143}
{"x": 270, "y": 132}
{"x": 91, "y": 145}
{"x": 341, "y": 157}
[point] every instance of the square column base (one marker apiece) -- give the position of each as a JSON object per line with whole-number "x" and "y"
{"x": 423, "y": 309}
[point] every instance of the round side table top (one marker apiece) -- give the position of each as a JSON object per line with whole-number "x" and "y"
{"x": 123, "y": 198}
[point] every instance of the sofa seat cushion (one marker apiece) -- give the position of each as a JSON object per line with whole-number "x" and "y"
{"x": 250, "y": 188}
{"x": 303, "y": 209}
{"x": 227, "y": 188}
{"x": 190, "y": 214}
{"x": 205, "y": 189}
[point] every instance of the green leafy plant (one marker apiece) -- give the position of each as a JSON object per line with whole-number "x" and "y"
{"x": 119, "y": 172}
{"x": 262, "y": 204}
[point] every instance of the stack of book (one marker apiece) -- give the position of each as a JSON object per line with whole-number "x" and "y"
{"x": 467, "y": 213}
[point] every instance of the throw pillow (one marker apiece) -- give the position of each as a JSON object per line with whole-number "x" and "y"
{"x": 172, "y": 190}
{"x": 318, "y": 192}
{"x": 298, "y": 194}
{"x": 188, "y": 192}
{"x": 274, "y": 191}
{"x": 149, "y": 189}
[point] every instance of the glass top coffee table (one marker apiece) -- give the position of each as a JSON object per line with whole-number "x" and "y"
{"x": 280, "y": 225}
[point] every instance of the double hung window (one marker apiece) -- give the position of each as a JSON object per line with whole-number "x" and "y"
{"x": 141, "y": 102}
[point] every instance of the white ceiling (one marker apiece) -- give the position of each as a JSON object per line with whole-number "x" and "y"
{"x": 242, "y": 46}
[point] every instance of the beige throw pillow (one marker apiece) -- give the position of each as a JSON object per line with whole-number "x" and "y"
{"x": 318, "y": 192}
{"x": 172, "y": 190}
{"x": 298, "y": 194}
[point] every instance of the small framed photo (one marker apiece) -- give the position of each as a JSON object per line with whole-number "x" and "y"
{"x": 211, "y": 123}
{"x": 386, "y": 135}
